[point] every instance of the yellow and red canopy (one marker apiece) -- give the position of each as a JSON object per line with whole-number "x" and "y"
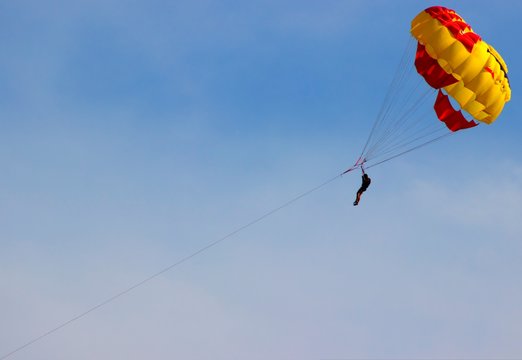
{"x": 452, "y": 57}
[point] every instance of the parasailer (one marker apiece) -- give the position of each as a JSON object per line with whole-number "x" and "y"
{"x": 364, "y": 186}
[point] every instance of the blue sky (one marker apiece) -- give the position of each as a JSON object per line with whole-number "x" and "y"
{"x": 133, "y": 133}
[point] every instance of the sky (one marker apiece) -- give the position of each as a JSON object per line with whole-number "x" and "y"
{"x": 133, "y": 133}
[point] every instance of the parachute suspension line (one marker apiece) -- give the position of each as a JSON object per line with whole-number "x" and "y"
{"x": 401, "y": 101}
{"x": 170, "y": 267}
{"x": 406, "y": 120}
{"x": 404, "y": 133}
{"x": 395, "y": 88}
{"x": 390, "y": 101}
{"x": 413, "y": 141}
{"x": 397, "y": 124}
{"x": 403, "y": 127}
{"x": 409, "y": 150}
{"x": 391, "y": 93}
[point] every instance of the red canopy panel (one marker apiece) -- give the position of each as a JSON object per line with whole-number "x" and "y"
{"x": 453, "y": 119}
{"x": 430, "y": 69}
{"x": 456, "y": 25}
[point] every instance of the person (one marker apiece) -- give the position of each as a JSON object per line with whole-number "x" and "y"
{"x": 365, "y": 183}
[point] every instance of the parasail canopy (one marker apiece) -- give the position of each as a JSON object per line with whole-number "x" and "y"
{"x": 465, "y": 78}
{"x": 452, "y": 57}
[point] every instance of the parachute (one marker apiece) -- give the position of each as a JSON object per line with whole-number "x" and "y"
{"x": 457, "y": 69}
{"x": 451, "y": 56}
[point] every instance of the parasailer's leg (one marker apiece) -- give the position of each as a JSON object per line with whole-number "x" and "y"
{"x": 358, "y": 198}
